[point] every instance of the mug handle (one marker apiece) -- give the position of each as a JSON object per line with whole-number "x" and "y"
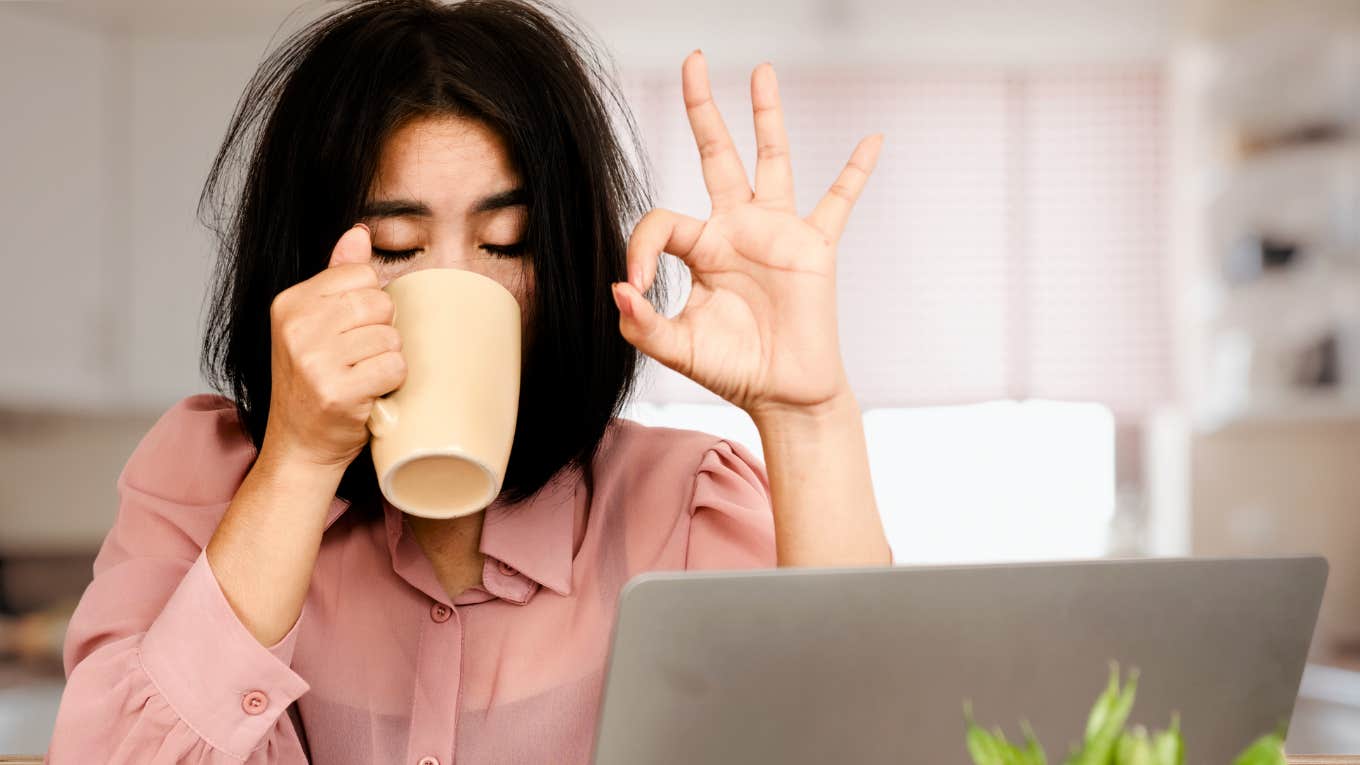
{"x": 383, "y": 417}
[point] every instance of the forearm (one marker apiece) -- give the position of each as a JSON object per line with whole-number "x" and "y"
{"x": 823, "y": 496}
{"x": 263, "y": 551}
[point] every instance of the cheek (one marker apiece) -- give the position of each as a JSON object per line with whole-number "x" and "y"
{"x": 517, "y": 276}
{"x": 523, "y": 290}
{"x": 526, "y": 287}
{"x": 389, "y": 271}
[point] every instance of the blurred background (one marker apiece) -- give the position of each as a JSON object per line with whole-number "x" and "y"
{"x": 1101, "y": 296}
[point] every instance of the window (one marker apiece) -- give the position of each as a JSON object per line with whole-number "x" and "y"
{"x": 1007, "y": 258}
{"x": 1009, "y": 245}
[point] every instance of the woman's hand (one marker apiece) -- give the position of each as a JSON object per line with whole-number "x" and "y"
{"x": 759, "y": 328}
{"x": 334, "y": 351}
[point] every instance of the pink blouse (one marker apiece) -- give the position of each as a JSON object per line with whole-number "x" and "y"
{"x": 382, "y": 667}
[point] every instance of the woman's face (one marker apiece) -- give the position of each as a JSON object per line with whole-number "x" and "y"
{"x": 446, "y": 196}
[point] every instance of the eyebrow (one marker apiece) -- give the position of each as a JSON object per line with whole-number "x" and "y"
{"x": 395, "y": 208}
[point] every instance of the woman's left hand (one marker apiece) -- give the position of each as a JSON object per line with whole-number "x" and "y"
{"x": 759, "y": 328}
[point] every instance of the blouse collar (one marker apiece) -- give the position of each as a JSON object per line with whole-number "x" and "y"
{"x": 534, "y": 537}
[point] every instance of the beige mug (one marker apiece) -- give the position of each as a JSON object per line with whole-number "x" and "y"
{"x": 442, "y": 440}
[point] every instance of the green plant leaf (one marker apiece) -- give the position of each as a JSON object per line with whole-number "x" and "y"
{"x": 1266, "y": 750}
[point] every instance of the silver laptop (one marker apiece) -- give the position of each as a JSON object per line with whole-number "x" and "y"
{"x": 873, "y": 665}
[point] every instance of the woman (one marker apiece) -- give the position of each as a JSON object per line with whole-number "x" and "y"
{"x": 258, "y": 601}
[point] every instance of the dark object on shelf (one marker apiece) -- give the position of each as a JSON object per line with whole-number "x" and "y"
{"x": 1256, "y": 255}
{"x": 5, "y": 608}
{"x": 1303, "y": 135}
{"x": 1318, "y": 365}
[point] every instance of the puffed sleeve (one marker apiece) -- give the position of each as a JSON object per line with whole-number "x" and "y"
{"x": 159, "y": 668}
{"x": 731, "y": 524}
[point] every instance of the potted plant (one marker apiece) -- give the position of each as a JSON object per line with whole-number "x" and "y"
{"x": 1107, "y": 740}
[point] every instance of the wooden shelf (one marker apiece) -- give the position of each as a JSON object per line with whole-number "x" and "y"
{"x": 1292, "y": 190}
{"x": 1303, "y": 408}
{"x": 1283, "y": 299}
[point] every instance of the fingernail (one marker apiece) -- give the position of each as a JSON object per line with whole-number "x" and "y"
{"x": 634, "y": 279}
{"x": 364, "y": 227}
{"x": 625, "y": 307}
{"x": 699, "y": 51}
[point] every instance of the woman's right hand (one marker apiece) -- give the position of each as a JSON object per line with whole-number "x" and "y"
{"x": 333, "y": 352}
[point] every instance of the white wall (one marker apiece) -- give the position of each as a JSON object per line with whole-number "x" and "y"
{"x": 106, "y": 151}
{"x": 183, "y": 92}
{"x": 847, "y": 32}
{"x": 57, "y": 208}
{"x": 829, "y": 31}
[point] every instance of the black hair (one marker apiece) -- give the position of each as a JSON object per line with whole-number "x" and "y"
{"x": 306, "y": 135}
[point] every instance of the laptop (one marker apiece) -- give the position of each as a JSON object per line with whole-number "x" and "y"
{"x": 873, "y": 665}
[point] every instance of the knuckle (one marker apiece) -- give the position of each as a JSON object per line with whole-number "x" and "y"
{"x": 654, "y": 218}
{"x": 713, "y": 147}
{"x": 292, "y": 334}
{"x": 329, "y": 400}
{"x": 699, "y": 102}
{"x": 311, "y": 365}
{"x": 353, "y": 302}
{"x": 771, "y": 151}
{"x": 393, "y": 368}
{"x": 364, "y": 274}
{"x": 278, "y": 307}
{"x": 391, "y": 338}
{"x": 361, "y": 306}
{"x": 382, "y": 305}
{"x": 842, "y": 191}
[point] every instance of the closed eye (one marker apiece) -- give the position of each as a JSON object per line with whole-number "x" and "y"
{"x": 499, "y": 250}
{"x": 390, "y": 256}
{"x": 514, "y": 249}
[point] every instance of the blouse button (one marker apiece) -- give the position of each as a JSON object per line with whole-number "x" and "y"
{"x": 440, "y": 613}
{"x": 428, "y": 761}
{"x": 506, "y": 568}
{"x": 254, "y": 702}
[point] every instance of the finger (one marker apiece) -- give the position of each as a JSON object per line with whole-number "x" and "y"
{"x": 379, "y": 375}
{"x": 834, "y": 208}
{"x": 366, "y": 342}
{"x": 343, "y": 277}
{"x": 774, "y": 174}
{"x": 355, "y": 246}
{"x": 724, "y": 176}
{"x": 361, "y": 308}
{"x": 659, "y": 231}
{"x": 662, "y": 338}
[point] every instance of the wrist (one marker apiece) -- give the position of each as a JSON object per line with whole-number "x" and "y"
{"x": 279, "y": 459}
{"x": 774, "y": 418}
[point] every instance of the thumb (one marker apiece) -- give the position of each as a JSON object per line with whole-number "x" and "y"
{"x": 355, "y": 246}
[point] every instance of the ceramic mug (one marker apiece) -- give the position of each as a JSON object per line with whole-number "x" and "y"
{"x": 442, "y": 440}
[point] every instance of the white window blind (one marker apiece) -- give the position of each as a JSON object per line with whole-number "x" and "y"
{"x": 1009, "y": 244}
{"x": 1097, "y": 308}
